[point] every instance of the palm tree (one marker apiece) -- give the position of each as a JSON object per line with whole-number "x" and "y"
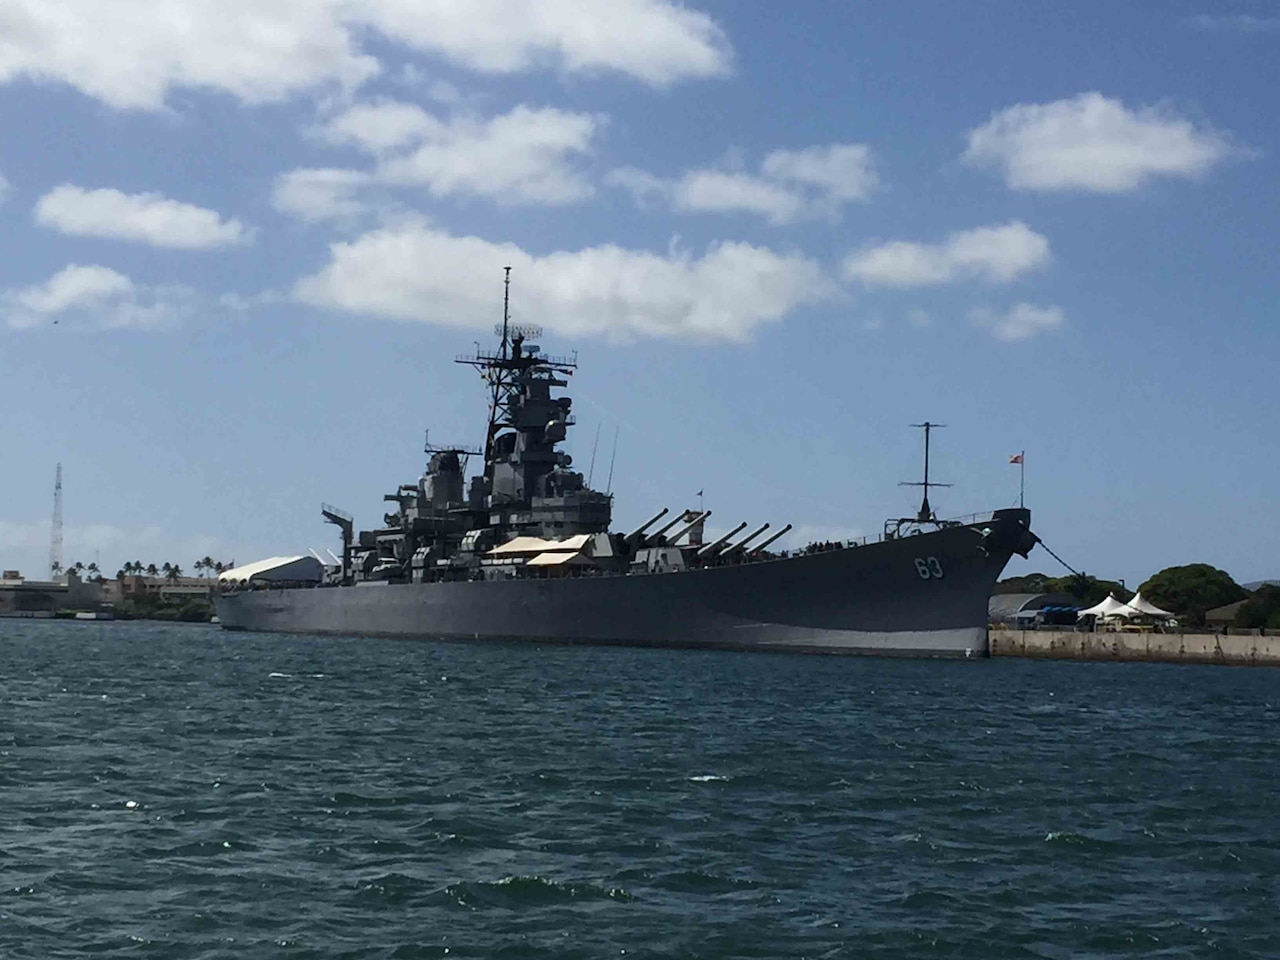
{"x": 199, "y": 565}
{"x": 94, "y": 572}
{"x": 152, "y": 571}
{"x": 175, "y": 572}
{"x": 207, "y": 562}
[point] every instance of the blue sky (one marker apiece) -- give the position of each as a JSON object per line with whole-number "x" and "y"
{"x": 243, "y": 242}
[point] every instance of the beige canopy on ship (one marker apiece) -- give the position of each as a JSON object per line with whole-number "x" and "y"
{"x": 275, "y": 570}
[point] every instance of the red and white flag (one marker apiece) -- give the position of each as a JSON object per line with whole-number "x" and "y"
{"x": 1016, "y": 458}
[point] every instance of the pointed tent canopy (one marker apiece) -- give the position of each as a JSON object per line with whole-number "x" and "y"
{"x": 1110, "y": 607}
{"x": 1146, "y": 607}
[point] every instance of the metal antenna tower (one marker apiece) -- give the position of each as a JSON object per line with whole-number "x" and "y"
{"x": 55, "y": 536}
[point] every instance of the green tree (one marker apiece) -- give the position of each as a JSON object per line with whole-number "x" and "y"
{"x": 1261, "y": 610}
{"x": 152, "y": 571}
{"x": 1086, "y": 590}
{"x": 1191, "y": 590}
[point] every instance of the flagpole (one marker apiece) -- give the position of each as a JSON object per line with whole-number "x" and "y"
{"x": 1022, "y": 479}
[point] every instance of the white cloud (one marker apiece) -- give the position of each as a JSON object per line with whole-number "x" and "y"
{"x": 997, "y": 254}
{"x": 324, "y": 194}
{"x": 656, "y": 41}
{"x": 1090, "y": 142}
{"x": 4, "y": 188}
{"x": 1234, "y": 23}
{"x": 525, "y": 156}
{"x": 412, "y": 272}
{"x": 1021, "y": 322}
{"x": 792, "y": 184}
{"x": 94, "y": 296}
{"x": 131, "y": 53}
{"x": 134, "y": 53}
{"x": 143, "y": 217}
{"x": 841, "y": 171}
{"x": 381, "y": 125}
{"x": 716, "y": 191}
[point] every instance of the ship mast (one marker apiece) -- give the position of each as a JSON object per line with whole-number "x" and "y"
{"x": 926, "y": 514}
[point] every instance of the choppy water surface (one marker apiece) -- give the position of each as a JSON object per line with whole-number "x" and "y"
{"x": 176, "y": 791}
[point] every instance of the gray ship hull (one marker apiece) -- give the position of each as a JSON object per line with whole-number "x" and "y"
{"x": 923, "y": 595}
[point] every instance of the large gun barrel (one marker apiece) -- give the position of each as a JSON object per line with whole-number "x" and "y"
{"x": 689, "y": 526}
{"x": 638, "y": 531}
{"x": 671, "y": 523}
{"x": 713, "y": 547}
{"x": 785, "y": 529}
{"x": 744, "y": 541}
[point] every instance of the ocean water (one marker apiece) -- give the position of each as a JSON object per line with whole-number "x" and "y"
{"x": 177, "y": 791}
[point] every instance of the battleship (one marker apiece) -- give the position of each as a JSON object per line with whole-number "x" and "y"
{"x": 524, "y": 551}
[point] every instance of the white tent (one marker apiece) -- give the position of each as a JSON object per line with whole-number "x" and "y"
{"x": 1147, "y": 608}
{"x": 1110, "y": 607}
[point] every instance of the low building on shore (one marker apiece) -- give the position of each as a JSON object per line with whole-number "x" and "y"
{"x": 1028, "y": 610}
{"x": 1221, "y": 618}
{"x": 20, "y": 597}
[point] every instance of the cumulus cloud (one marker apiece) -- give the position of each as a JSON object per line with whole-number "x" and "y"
{"x": 381, "y": 125}
{"x": 1092, "y": 143}
{"x": 525, "y": 156}
{"x": 142, "y": 217}
{"x": 1020, "y": 322}
{"x": 322, "y": 194}
{"x": 997, "y": 254}
{"x": 791, "y": 185}
{"x": 94, "y": 296}
{"x": 412, "y": 272}
{"x": 134, "y": 53}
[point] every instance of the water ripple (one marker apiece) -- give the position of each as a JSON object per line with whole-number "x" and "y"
{"x": 175, "y": 791}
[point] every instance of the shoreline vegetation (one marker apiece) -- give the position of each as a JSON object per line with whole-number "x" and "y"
{"x": 1190, "y": 591}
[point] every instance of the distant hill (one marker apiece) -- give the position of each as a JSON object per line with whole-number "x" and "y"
{"x": 1259, "y": 583}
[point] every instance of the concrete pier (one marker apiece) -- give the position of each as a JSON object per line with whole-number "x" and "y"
{"x": 1230, "y": 649}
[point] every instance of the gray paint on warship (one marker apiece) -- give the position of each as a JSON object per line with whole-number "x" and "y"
{"x": 524, "y": 552}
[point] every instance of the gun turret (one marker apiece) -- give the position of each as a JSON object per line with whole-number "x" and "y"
{"x": 744, "y": 541}
{"x": 657, "y": 536}
{"x": 639, "y": 531}
{"x": 695, "y": 522}
{"x": 755, "y": 550}
{"x": 714, "y": 547}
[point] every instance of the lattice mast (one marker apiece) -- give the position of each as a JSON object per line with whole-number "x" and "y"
{"x": 502, "y": 372}
{"x": 55, "y": 534}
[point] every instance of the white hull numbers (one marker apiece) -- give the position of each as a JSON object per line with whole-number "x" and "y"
{"x": 929, "y": 568}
